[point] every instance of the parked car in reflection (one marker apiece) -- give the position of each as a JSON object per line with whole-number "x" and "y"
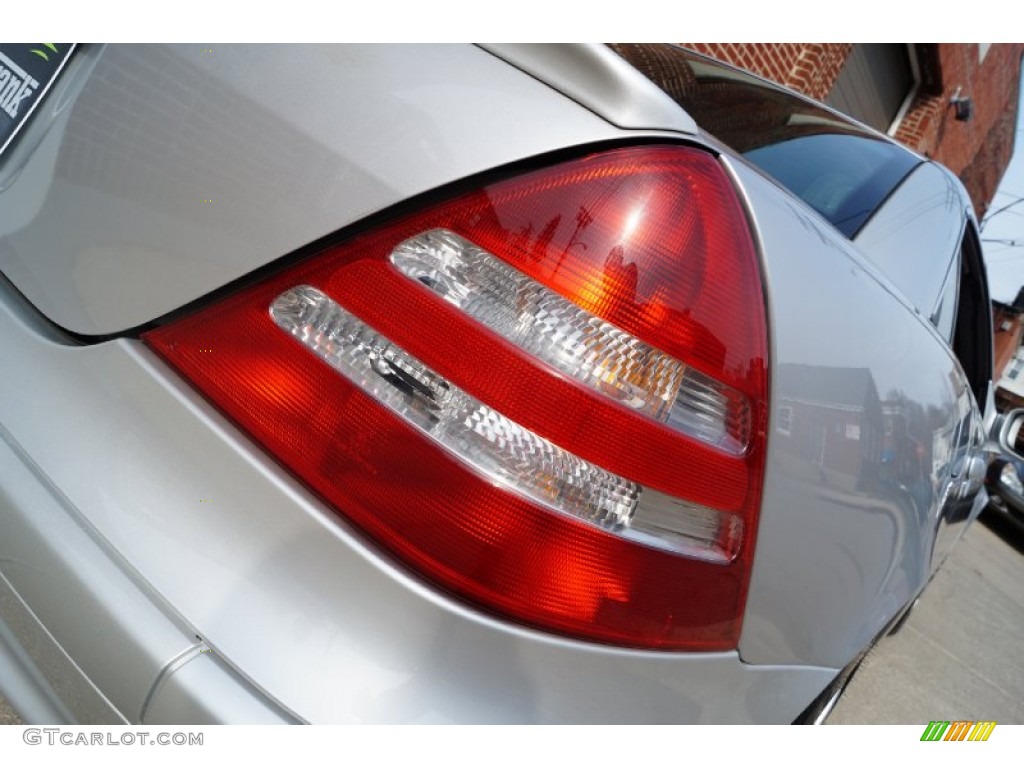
{"x": 469, "y": 383}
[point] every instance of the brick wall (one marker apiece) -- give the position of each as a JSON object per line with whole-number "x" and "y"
{"x": 977, "y": 151}
{"x": 1005, "y": 341}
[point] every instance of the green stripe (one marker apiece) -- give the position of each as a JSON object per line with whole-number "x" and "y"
{"x": 935, "y": 730}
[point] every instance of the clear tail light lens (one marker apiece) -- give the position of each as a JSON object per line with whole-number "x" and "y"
{"x": 481, "y": 438}
{"x": 571, "y": 339}
{"x": 548, "y": 396}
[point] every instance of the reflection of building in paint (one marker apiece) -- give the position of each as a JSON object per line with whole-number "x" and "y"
{"x": 833, "y": 419}
{"x": 908, "y": 445}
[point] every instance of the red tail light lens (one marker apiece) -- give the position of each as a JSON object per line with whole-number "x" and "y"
{"x": 548, "y": 396}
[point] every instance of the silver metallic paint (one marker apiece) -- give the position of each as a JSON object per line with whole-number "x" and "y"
{"x": 204, "y": 690}
{"x": 175, "y": 171}
{"x": 916, "y": 234}
{"x": 600, "y": 80}
{"x": 56, "y": 584}
{"x": 839, "y": 553}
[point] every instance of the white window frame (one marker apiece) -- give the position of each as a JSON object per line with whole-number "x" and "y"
{"x": 915, "y": 88}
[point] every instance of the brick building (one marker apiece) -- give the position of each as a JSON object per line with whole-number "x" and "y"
{"x": 1008, "y": 365}
{"x": 1008, "y": 332}
{"x": 907, "y": 91}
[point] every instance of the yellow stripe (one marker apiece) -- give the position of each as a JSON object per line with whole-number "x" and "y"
{"x": 982, "y": 730}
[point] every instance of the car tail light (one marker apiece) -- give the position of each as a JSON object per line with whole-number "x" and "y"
{"x": 547, "y": 396}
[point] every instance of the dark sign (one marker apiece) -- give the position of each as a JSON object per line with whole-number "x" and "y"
{"x": 27, "y": 70}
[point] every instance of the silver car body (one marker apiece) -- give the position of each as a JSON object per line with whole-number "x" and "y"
{"x": 157, "y": 567}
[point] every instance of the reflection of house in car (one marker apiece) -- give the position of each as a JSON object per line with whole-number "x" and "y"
{"x": 831, "y": 417}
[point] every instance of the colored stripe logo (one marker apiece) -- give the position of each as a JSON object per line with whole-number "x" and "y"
{"x": 43, "y": 54}
{"x": 958, "y": 730}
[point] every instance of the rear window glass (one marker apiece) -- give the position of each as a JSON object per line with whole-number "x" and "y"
{"x": 841, "y": 170}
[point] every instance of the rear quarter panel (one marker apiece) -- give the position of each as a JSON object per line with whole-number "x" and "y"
{"x": 865, "y": 399}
